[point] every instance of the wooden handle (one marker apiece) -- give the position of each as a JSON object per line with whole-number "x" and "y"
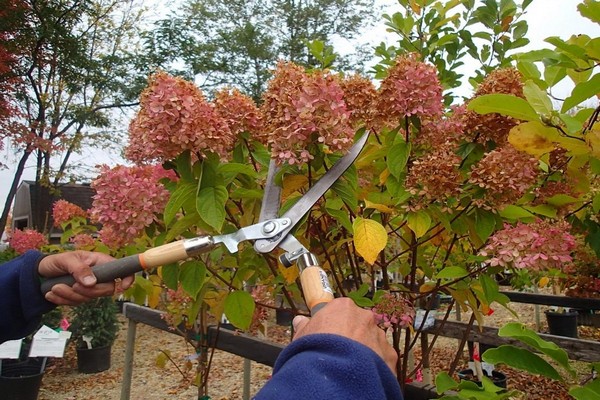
{"x": 316, "y": 288}
{"x": 165, "y": 254}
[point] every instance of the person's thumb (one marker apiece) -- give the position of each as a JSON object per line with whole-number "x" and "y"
{"x": 85, "y": 276}
{"x": 299, "y": 322}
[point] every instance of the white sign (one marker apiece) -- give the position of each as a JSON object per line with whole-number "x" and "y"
{"x": 47, "y": 343}
{"x": 10, "y": 349}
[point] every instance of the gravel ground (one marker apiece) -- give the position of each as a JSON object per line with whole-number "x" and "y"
{"x": 150, "y": 382}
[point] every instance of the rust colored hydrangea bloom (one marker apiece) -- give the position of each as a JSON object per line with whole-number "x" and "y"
{"x": 435, "y": 176}
{"x": 301, "y": 110}
{"x": 494, "y": 127}
{"x": 240, "y": 112}
{"x": 359, "y": 95}
{"x": 440, "y": 130}
{"x": 411, "y": 88}
{"x": 174, "y": 116}
{"x": 505, "y": 174}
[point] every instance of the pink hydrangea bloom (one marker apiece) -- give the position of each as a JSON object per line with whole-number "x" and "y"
{"x": 394, "y": 309}
{"x": 539, "y": 246}
{"x": 301, "y": 110}
{"x": 411, "y": 88}
{"x": 127, "y": 200}
{"x": 174, "y": 116}
{"x": 83, "y": 241}
{"x": 27, "y": 239}
{"x": 63, "y": 211}
{"x": 240, "y": 112}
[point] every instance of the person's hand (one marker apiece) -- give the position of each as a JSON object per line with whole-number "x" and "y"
{"x": 78, "y": 263}
{"x": 342, "y": 317}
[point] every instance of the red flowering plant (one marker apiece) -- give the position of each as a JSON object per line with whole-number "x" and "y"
{"x": 27, "y": 239}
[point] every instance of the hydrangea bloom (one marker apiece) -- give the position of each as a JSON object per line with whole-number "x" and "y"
{"x": 83, "y": 241}
{"x": 302, "y": 109}
{"x": 27, "y": 239}
{"x": 393, "y": 309}
{"x": 494, "y": 127}
{"x": 505, "y": 174}
{"x": 539, "y": 246}
{"x": 439, "y": 130}
{"x": 63, "y": 211}
{"x": 127, "y": 200}
{"x": 411, "y": 88}
{"x": 435, "y": 176}
{"x": 240, "y": 112}
{"x": 359, "y": 96}
{"x": 174, "y": 116}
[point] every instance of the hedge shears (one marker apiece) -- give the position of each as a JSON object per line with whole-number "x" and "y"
{"x": 270, "y": 232}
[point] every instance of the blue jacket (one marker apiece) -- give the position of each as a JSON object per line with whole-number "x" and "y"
{"x": 331, "y": 367}
{"x": 21, "y": 301}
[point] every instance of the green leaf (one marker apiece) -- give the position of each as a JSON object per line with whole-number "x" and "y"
{"x": 181, "y": 225}
{"x": 340, "y": 216}
{"x": 192, "y": 275}
{"x": 485, "y": 223}
{"x": 444, "y": 382}
{"x": 542, "y": 209}
{"x": 184, "y": 192}
{"x": 346, "y": 193}
{"x": 397, "y": 158}
{"x": 419, "y": 222}
{"x": 504, "y": 104}
{"x": 239, "y": 308}
{"x": 520, "y": 332}
{"x": 170, "y": 275}
{"x": 514, "y": 213}
{"x": 522, "y": 359}
{"x": 230, "y": 170}
{"x": 537, "y": 98}
{"x": 590, "y": 9}
{"x": 560, "y": 200}
{"x": 591, "y": 391}
{"x": 596, "y": 203}
{"x": 210, "y": 204}
{"x": 581, "y": 93}
{"x": 452, "y": 273}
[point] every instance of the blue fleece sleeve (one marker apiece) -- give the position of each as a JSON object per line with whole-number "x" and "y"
{"x": 21, "y": 301}
{"x": 331, "y": 367}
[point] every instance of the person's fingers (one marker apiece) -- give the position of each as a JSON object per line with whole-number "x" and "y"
{"x": 299, "y": 322}
{"x": 62, "y": 294}
{"x": 127, "y": 282}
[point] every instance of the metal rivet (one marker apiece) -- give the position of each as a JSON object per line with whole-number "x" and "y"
{"x": 269, "y": 227}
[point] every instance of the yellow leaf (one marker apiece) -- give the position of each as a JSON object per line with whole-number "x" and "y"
{"x": 370, "y": 237}
{"x": 292, "y": 183}
{"x": 162, "y": 358}
{"x": 533, "y": 138}
{"x": 427, "y": 287}
{"x": 415, "y": 7}
{"x": 289, "y": 274}
{"x": 383, "y": 176}
{"x": 544, "y": 280}
{"x": 592, "y": 138}
{"x": 378, "y": 207}
{"x": 154, "y": 296}
{"x": 419, "y": 222}
{"x": 216, "y": 302}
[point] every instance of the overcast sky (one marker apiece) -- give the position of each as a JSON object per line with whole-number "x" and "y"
{"x": 545, "y": 18}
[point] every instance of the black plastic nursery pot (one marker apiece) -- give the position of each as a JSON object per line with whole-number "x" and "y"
{"x": 562, "y": 323}
{"x": 91, "y": 361}
{"x": 498, "y": 378}
{"x": 21, "y": 380}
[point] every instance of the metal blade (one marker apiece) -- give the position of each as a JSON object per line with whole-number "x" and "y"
{"x": 269, "y": 208}
{"x": 298, "y": 210}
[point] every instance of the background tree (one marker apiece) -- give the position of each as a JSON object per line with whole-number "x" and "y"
{"x": 74, "y": 69}
{"x": 236, "y": 42}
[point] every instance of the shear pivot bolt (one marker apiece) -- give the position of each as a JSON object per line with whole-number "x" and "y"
{"x": 269, "y": 227}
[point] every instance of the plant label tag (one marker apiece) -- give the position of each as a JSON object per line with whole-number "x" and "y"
{"x": 47, "y": 343}
{"x": 11, "y": 349}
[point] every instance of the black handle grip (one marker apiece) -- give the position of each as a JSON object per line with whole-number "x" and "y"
{"x": 104, "y": 273}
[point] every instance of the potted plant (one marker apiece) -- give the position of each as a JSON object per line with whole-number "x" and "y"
{"x": 94, "y": 326}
